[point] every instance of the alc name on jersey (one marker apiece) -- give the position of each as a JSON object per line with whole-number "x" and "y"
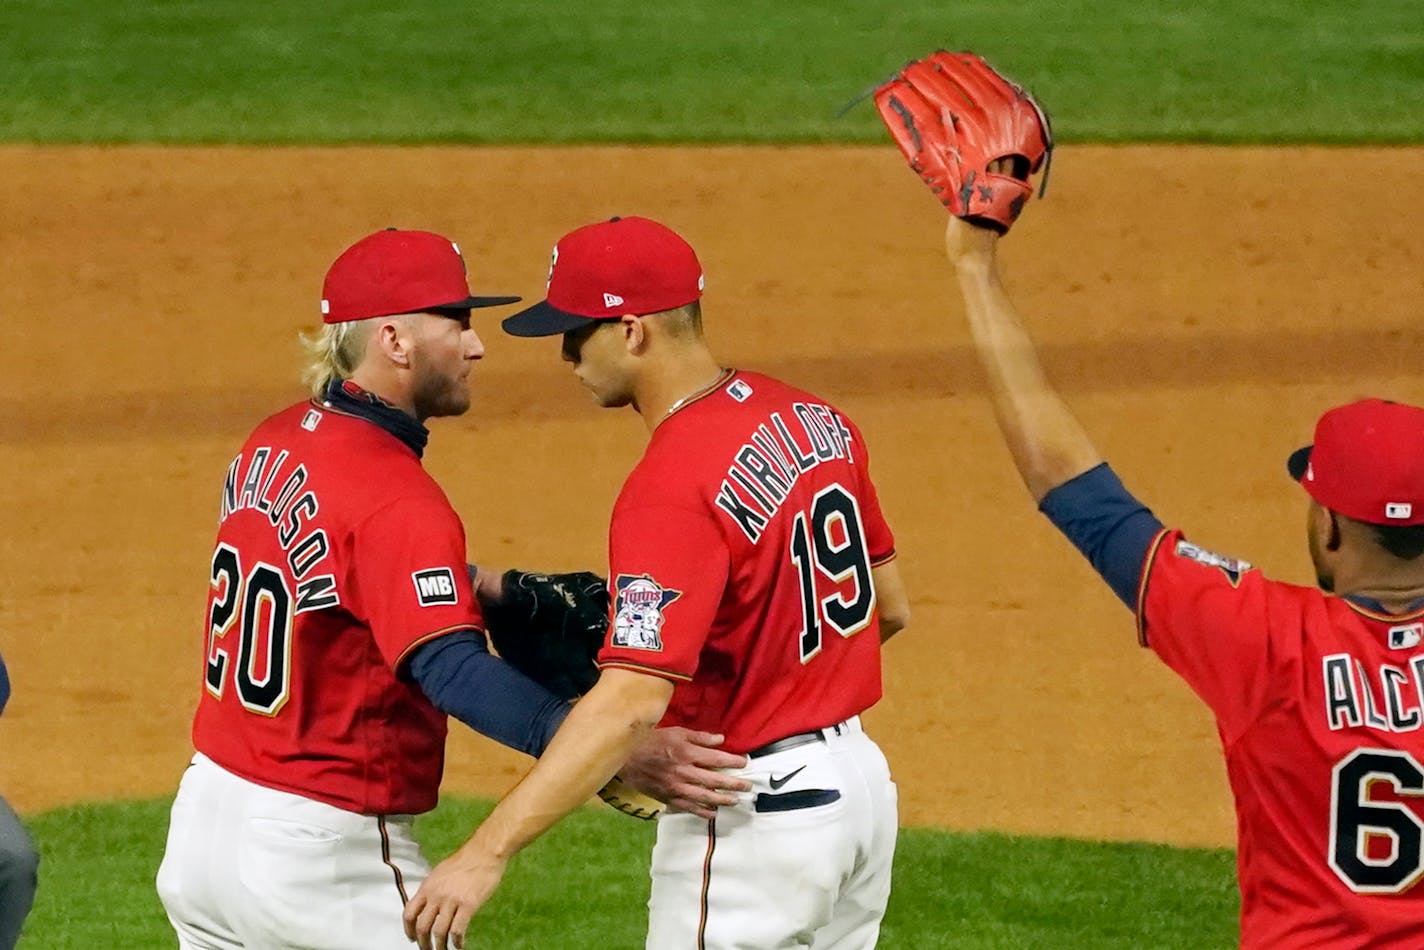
{"x": 1351, "y": 691}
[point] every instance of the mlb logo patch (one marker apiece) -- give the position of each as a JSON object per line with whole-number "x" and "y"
{"x": 434, "y": 586}
{"x": 739, "y": 391}
{"x": 1406, "y": 636}
{"x": 311, "y": 420}
{"x": 638, "y": 612}
{"x": 1398, "y": 510}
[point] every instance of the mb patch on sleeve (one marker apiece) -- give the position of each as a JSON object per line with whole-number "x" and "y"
{"x": 435, "y": 585}
{"x": 1232, "y": 567}
{"x": 638, "y": 612}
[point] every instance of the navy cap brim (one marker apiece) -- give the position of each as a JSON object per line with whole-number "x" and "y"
{"x": 544, "y": 320}
{"x": 1298, "y": 462}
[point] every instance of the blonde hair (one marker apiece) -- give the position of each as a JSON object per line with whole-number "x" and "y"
{"x": 334, "y": 351}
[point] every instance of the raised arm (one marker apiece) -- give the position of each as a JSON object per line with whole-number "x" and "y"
{"x": 1047, "y": 443}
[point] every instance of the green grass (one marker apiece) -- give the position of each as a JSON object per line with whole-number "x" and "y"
{"x": 584, "y": 887}
{"x": 544, "y": 71}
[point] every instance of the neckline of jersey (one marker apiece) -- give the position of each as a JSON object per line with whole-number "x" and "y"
{"x": 1374, "y": 610}
{"x": 698, "y": 395}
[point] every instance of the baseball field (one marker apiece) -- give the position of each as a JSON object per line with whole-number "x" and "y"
{"x": 1229, "y": 244}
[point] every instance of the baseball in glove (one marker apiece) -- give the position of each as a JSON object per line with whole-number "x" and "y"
{"x": 550, "y": 627}
{"x": 953, "y": 116}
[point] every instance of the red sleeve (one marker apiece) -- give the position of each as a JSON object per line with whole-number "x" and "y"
{"x": 1208, "y": 618}
{"x": 667, "y": 570}
{"x": 409, "y": 568}
{"x": 879, "y": 539}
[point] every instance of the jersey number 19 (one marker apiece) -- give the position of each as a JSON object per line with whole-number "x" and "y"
{"x": 828, "y": 549}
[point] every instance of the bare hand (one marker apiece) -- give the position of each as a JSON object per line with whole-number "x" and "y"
{"x": 679, "y": 767}
{"x": 436, "y": 917}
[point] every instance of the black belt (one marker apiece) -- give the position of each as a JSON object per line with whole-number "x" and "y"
{"x": 796, "y": 741}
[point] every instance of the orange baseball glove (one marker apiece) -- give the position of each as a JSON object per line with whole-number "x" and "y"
{"x": 953, "y": 115}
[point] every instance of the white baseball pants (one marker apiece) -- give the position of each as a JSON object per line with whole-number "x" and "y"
{"x": 802, "y": 861}
{"x": 251, "y": 867}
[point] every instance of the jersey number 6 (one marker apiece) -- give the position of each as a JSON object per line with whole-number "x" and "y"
{"x": 260, "y": 605}
{"x": 1357, "y": 821}
{"x": 828, "y": 542}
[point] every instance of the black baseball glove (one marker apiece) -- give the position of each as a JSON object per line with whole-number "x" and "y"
{"x": 550, "y": 627}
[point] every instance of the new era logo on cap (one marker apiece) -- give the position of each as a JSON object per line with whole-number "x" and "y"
{"x": 612, "y": 300}
{"x": 1367, "y": 462}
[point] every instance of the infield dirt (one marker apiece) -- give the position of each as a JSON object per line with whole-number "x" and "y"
{"x": 1199, "y": 307}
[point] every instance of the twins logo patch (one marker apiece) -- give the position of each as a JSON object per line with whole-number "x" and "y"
{"x": 1232, "y": 567}
{"x": 434, "y": 586}
{"x": 638, "y": 612}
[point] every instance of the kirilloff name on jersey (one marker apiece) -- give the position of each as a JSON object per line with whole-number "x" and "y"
{"x": 638, "y": 612}
{"x": 268, "y": 485}
{"x": 1388, "y": 698}
{"x": 762, "y": 472}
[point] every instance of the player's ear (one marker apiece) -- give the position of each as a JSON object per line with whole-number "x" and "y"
{"x": 635, "y": 332}
{"x": 393, "y": 340}
{"x": 1332, "y": 539}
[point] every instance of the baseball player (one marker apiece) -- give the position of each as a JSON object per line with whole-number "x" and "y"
{"x": 341, "y": 629}
{"x": 1318, "y": 694}
{"x": 19, "y": 863}
{"x": 753, "y": 581}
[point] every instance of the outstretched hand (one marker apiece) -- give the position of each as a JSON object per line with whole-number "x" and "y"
{"x": 437, "y": 916}
{"x": 682, "y": 768}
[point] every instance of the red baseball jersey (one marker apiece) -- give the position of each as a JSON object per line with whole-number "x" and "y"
{"x": 1318, "y": 704}
{"x": 336, "y": 556}
{"x": 740, "y": 555}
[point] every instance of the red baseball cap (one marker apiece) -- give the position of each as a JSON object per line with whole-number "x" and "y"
{"x": 394, "y": 271}
{"x": 1367, "y": 462}
{"x": 605, "y": 270}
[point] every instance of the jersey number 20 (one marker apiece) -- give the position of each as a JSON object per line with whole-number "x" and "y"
{"x": 828, "y": 542}
{"x": 259, "y": 604}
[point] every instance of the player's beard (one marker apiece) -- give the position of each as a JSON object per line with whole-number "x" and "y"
{"x": 1324, "y": 577}
{"x": 435, "y": 393}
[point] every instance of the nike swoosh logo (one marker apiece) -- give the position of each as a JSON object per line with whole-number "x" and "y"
{"x": 778, "y": 782}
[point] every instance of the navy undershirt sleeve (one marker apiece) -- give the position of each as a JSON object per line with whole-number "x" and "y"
{"x": 1107, "y": 524}
{"x": 4, "y": 685}
{"x": 463, "y": 679}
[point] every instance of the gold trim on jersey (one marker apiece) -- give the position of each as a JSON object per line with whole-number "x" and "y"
{"x": 411, "y": 648}
{"x": 1147, "y": 563}
{"x": 1385, "y": 618}
{"x": 885, "y": 559}
{"x": 638, "y": 668}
